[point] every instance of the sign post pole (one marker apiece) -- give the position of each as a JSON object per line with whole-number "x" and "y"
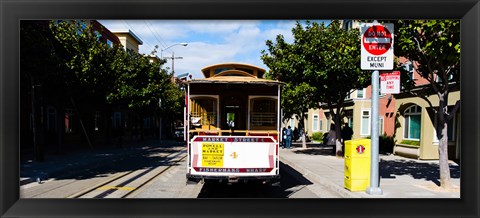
{"x": 374, "y": 188}
{"x": 376, "y": 54}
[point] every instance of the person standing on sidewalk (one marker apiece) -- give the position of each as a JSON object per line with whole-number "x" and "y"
{"x": 284, "y": 137}
{"x": 346, "y": 134}
{"x": 331, "y": 138}
{"x": 289, "y": 138}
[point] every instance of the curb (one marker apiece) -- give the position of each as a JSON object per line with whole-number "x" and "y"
{"x": 318, "y": 179}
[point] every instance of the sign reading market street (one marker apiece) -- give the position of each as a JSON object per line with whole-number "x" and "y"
{"x": 377, "y": 46}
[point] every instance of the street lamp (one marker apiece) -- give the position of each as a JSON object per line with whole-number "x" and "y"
{"x": 163, "y": 49}
{"x": 173, "y": 56}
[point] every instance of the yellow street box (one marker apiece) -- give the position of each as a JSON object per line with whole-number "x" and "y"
{"x": 357, "y": 164}
{"x": 357, "y": 168}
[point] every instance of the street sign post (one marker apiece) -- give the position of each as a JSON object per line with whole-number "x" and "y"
{"x": 376, "y": 54}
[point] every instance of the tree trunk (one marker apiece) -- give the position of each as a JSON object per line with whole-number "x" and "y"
{"x": 443, "y": 158}
{"x": 60, "y": 127}
{"x": 338, "y": 143}
{"x": 304, "y": 141}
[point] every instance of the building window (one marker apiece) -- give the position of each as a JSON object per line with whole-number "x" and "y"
{"x": 52, "y": 119}
{"x": 98, "y": 121}
{"x": 365, "y": 128}
{"x": 263, "y": 113}
{"x": 117, "y": 120}
{"x": 97, "y": 35}
{"x": 109, "y": 43}
{"x": 412, "y": 122}
{"x": 147, "y": 123}
{"x": 204, "y": 111}
{"x": 321, "y": 125}
{"x": 315, "y": 123}
{"x": 360, "y": 93}
{"x": 70, "y": 121}
{"x": 408, "y": 66}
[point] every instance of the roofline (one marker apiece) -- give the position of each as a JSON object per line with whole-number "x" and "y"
{"x": 128, "y": 32}
{"x": 233, "y": 63}
{"x": 239, "y": 81}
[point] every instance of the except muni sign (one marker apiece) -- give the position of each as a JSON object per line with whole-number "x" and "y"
{"x": 377, "y": 46}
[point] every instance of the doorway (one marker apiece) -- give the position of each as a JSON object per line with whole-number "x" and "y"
{"x": 233, "y": 115}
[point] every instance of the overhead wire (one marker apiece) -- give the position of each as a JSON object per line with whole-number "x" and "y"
{"x": 151, "y": 48}
{"x": 155, "y": 34}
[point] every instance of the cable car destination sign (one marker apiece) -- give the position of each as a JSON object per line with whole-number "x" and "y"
{"x": 377, "y": 46}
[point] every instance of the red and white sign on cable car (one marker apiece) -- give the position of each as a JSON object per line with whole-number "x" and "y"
{"x": 377, "y": 46}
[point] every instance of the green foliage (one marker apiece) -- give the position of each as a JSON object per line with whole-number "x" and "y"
{"x": 67, "y": 59}
{"x": 321, "y": 65}
{"x": 38, "y": 60}
{"x": 434, "y": 45}
{"x": 386, "y": 144}
{"x": 110, "y": 75}
{"x": 317, "y": 136}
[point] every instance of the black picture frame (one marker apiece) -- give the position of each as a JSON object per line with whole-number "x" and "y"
{"x": 14, "y": 11}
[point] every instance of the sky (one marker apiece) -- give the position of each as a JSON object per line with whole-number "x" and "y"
{"x": 209, "y": 41}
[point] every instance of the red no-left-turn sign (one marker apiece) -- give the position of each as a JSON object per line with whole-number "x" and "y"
{"x": 377, "y": 40}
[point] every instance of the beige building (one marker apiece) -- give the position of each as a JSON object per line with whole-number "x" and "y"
{"x": 128, "y": 39}
{"x": 416, "y": 123}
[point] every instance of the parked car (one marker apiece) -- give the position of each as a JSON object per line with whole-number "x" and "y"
{"x": 179, "y": 131}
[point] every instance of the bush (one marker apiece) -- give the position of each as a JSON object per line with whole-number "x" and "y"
{"x": 386, "y": 144}
{"x": 317, "y": 136}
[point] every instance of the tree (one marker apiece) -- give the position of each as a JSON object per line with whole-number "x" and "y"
{"x": 286, "y": 64}
{"x": 97, "y": 76}
{"x": 38, "y": 67}
{"x": 434, "y": 48}
{"x": 86, "y": 68}
{"x": 325, "y": 61}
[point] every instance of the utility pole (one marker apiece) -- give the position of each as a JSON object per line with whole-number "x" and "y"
{"x": 173, "y": 65}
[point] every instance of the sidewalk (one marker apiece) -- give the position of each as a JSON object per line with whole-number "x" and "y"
{"x": 399, "y": 177}
{"x": 56, "y": 165}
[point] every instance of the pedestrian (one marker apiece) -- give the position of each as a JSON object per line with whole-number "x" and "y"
{"x": 289, "y": 138}
{"x": 347, "y": 133}
{"x": 295, "y": 134}
{"x": 284, "y": 137}
{"x": 331, "y": 138}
